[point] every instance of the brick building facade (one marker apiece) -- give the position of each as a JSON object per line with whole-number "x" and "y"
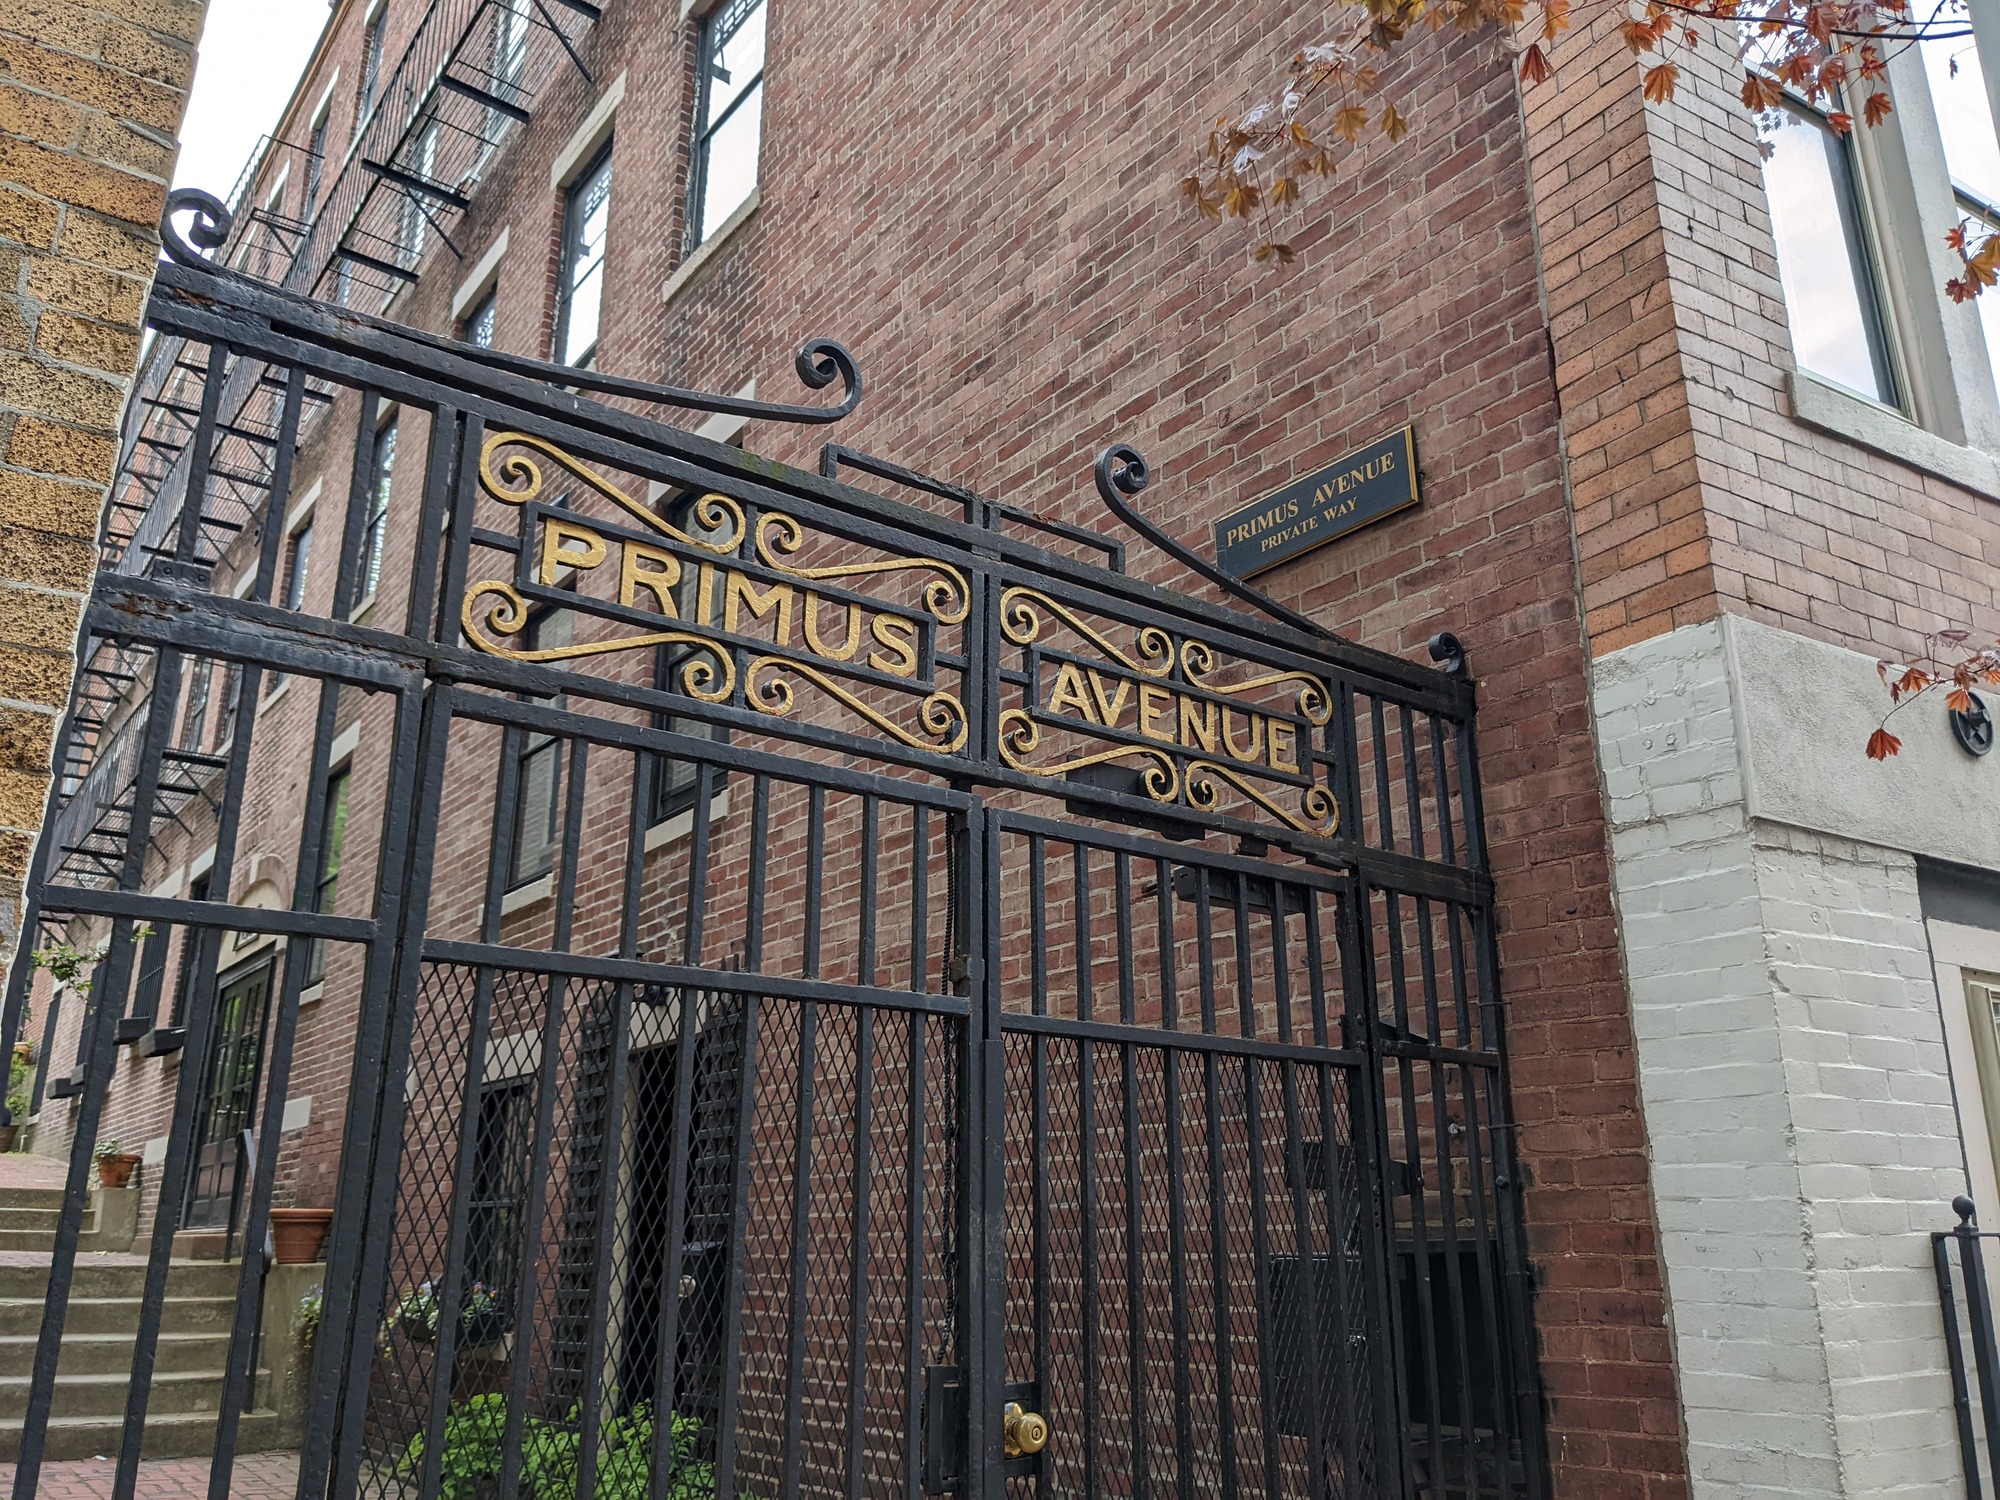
{"x": 1735, "y": 957}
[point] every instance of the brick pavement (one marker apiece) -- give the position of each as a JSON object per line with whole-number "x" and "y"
{"x": 258, "y": 1476}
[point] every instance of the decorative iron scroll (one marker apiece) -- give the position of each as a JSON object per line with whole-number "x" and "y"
{"x": 730, "y": 591}
{"x": 1166, "y": 708}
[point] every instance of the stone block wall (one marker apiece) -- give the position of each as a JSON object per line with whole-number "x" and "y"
{"x": 91, "y": 98}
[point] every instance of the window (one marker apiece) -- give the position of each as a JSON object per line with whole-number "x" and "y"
{"x": 194, "y": 716}
{"x": 503, "y": 1152}
{"x": 232, "y": 704}
{"x": 510, "y": 53}
{"x": 674, "y": 781}
{"x": 371, "y": 68}
{"x": 538, "y": 789}
{"x": 1971, "y": 154}
{"x": 298, "y": 558}
{"x": 729, "y": 121}
{"x": 477, "y": 327}
{"x": 580, "y": 292}
{"x": 416, "y": 210}
{"x": 1824, "y": 256}
{"x": 333, "y": 839}
{"x": 375, "y": 529}
{"x": 190, "y": 950}
{"x": 315, "y": 163}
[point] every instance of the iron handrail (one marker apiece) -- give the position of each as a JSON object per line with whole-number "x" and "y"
{"x": 1970, "y": 1270}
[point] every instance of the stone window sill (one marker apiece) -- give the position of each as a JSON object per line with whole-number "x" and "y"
{"x": 534, "y": 893}
{"x": 1831, "y": 408}
{"x": 711, "y": 247}
{"x": 681, "y": 824}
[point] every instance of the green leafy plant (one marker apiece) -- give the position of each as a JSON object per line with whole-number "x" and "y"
{"x": 305, "y": 1319}
{"x": 17, "y": 1086}
{"x": 108, "y": 1147}
{"x": 417, "y": 1313}
{"x": 475, "y": 1429}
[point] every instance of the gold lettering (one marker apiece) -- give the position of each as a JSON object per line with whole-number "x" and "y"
{"x": 1068, "y": 692}
{"x": 1254, "y": 751}
{"x": 899, "y": 637}
{"x": 1198, "y": 731}
{"x": 1110, "y": 708}
{"x": 1155, "y": 702}
{"x": 658, "y": 582}
{"x": 738, "y": 589}
{"x": 704, "y": 595}
{"x": 1281, "y": 748}
{"x": 556, "y": 554}
{"x": 816, "y": 645}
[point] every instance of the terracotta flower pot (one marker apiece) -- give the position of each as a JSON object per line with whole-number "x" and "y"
{"x": 298, "y": 1233}
{"x": 115, "y": 1171}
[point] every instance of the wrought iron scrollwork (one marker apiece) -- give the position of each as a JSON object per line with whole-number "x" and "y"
{"x": 209, "y": 231}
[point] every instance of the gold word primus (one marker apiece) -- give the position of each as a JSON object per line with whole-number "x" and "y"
{"x": 708, "y": 595}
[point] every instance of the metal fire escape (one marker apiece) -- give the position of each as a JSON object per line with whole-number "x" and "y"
{"x": 351, "y": 226}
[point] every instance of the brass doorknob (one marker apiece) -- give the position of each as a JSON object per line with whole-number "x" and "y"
{"x": 1025, "y": 1432}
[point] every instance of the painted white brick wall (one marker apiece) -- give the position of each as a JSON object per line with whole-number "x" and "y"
{"x": 1797, "y": 1100}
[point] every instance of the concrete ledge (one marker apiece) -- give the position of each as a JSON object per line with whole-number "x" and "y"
{"x": 115, "y": 1212}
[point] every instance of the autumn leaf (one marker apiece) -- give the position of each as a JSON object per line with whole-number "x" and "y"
{"x": 1958, "y": 700}
{"x": 1638, "y": 36}
{"x": 1882, "y": 745}
{"x": 1660, "y": 80}
{"x": 1350, "y": 122}
{"x": 1394, "y": 126}
{"x": 1535, "y": 64}
{"x": 1285, "y": 190}
{"x": 1555, "y": 18}
{"x": 1761, "y": 92}
{"x": 1840, "y": 123}
{"x": 1284, "y": 255}
{"x": 1877, "y": 109}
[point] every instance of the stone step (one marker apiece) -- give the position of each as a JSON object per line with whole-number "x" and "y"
{"x": 12, "y": 1238}
{"x": 43, "y": 1219}
{"x": 166, "y": 1436}
{"x": 181, "y": 1393}
{"x": 21, "y": 1317}
{"x": 29, "y": 1197}
{"x": 111, "y": 1353}
{"x": 123, "y": 1276}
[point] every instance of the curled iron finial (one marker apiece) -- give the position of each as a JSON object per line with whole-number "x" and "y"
{"x": 1962, "y": 1206}
{"x": 1121, "y": 471}
{"x": 1123, "y": 468}
{"x": 209, "y": 231}
{"x": 820, "y": 363}
{"x": 1448, "y": 652}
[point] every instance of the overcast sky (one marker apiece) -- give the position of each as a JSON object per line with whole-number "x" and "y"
{"x": 252, "y": 52}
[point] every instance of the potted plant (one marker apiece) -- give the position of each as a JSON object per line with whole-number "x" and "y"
{"x": 115, "y": 1164}
{"x": 483, "y": 1321}
{"x": 298, "y": 1233}
{"x": 417, "y": 1314}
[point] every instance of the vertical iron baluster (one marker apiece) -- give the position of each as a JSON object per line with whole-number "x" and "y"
{"x": 1308, "y": 1276}
{"x": 1218, "y": 1226}
{"x": 1038, "y": 926}
{"x": 857, "y": 1294}
{"x": 1086, "y": 1129}
{"x": 1170, "y": 1062}
{"x": 1961, "y": 1392}
{"x": 1352, "y": 1391}
{"x": 1086, "y": 1000}
{"x": 913, "y": 1328}
{"x": 1979, "y": 1310}
{"x": 795, "y": 1323}
{"x": 1038, "y": 1118}
{"x": 870, "y": 819}
{"x": 1135, "y": 1281}
{"x": 113, "y": 975}
{"x": 687, "y": 1042}
{"x": 513, "y": 1431}
{"x": 1260, "y": 1238}
{"x": 440, "y": 480}
{"x": 739, "y": 1215}
{"x": 1384, "y": 811}
{"x": 920, "y": 898}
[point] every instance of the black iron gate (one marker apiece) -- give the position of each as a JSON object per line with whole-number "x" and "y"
{"x": 836, "y": 995}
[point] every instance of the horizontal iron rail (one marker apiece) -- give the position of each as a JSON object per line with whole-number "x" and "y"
{"x": 1129, "y": 1034}
{"x": 86, "y": 901}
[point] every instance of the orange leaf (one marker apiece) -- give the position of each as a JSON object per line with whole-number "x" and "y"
{"x": 1394, "y": 126}
{"x": 1882, "y": 745}
{"x": 1761, "y": 92}
{"x": 1840, "y": 122}
{"x": 1555, "y": 18}
{"x": 1638, "y": 36}
{"x": 1959, "y": 701}
{"x": 1877, "y": 109}
{"x": 1660, "y": 80}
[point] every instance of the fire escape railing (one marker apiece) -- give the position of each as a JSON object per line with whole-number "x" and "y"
{"x": 351, "y": 225}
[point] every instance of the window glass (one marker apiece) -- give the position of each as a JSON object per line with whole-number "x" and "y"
{"x": 674, "y": 783}
{"x": 478, "y": 325}
{"x": 194, "y": 718}
{"x": 298, "y": 558}
{"x": 371, "y": 69}
{"x": 538, "y": 812}
{"x": 315, "y": 165}
{"x": 416, "y": 215}
{"x": 586, "y": 219}
{"x": 327, "y": 890}
{"x": 1971, "y": 155}
{"x": 374, "y": 531}
{"x": 732, "y": 79}
{"x": 190, "y": 950}
{"x": 1823, "y": 257}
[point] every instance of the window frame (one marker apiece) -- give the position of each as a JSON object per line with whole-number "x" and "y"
{"x": 334, "y": 809}
{"x": 373, "y": 43}
{"x": 569, "y": 252}
{"x": 670, "y": 797}
{"x": 528, "y": 747}
{"x": 373, "y": 542}
{"x": 485, "y": 309}
{"x": 703, "y": 134}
